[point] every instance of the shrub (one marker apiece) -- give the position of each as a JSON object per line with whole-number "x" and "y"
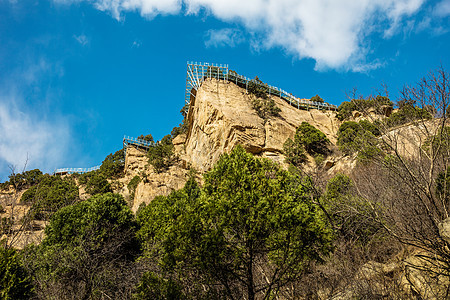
{"x": 313, "y": 140}
{"x": 88, "y": 251}
{"x": 353, "y": 216}
{"x": 151, "y": 287}
{"x": 362, "y": 105}
{"x": 15, "y": 282}
{"x": 24, "y": 180}
{"x": 262, "y": 103}
{"x": 161, "y": 155}
{"x": 407, "y": 114}
{"x": 265, "y": 107}
{"x": 98, "y": 184}
{"x": 113, "y": 165}
{"x": 52, "y": 193}
{"x": 443, "y": 184}
{"x": 307, "y": 139}
{"x": 294, "y": 152}
{"x": 354, "y": 137}
{"x": 132, "y": 185}
{"x": 148, "y": 138}
{"x": 6, "y": 224}
{"x": 317, "y": 98}
{"x": 257, "y": 88}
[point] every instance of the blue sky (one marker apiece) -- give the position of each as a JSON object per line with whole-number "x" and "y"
{"x": 75, "y": 76}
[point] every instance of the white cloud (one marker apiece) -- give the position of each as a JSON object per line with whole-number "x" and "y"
{"x": 442, "y": 9}
{"x": 223, "y": 37}
{"x": 82, "y": 39}
{"x": 333, "y": 33}
{"x": 28, "y": 138}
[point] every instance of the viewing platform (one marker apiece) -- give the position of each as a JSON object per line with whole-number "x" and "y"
{"x": 128, "y": 140}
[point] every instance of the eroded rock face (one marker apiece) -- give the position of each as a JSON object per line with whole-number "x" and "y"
{"x": 222, "y": 117}
{"x": 152, "y": 184}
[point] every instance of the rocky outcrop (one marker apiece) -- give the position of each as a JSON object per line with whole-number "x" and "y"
{"x": 222, "y": 117}
{"x": 152, "y": 184}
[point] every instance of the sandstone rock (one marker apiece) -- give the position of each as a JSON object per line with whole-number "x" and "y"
{"x": 222, "y": 117}
{"x": 152, "y": 184}
{"x": 444, "y": 230}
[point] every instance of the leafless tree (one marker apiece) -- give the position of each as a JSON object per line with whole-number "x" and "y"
{"x": 402, "y": 179}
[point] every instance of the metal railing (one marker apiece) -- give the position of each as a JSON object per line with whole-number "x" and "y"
{"x": 63, "y": 171}
{"x": 198, "y": 72}
{"x": 128, "y": 140}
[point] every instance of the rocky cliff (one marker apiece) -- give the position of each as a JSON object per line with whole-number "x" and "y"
{"x": 221, "y": 117}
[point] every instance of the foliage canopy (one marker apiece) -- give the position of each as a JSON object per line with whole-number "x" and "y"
{"x": 249, "y": 215}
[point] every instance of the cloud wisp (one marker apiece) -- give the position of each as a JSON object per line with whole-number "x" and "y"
{"x": 27, "y": 139}
{"x": 333, "y": 33}
{"x": 229, "y": 37}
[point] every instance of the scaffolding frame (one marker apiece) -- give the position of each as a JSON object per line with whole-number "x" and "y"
{"x": 197, "y": 72}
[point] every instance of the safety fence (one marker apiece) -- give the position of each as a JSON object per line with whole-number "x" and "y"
{"x": 198, "y": 72}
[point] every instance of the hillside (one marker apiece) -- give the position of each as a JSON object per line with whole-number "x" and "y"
{"x": 351, "y": 203}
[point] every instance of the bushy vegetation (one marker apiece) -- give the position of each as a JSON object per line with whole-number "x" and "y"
{"x": 151, "y": 286}
{"x": 161, "y": 156}
{"x": 23, "y": 180}
{"x": 132, "y": 185}
{"x": 87, "y": 251}
{"x": 183, "y": 126}
{"x": 113, "y": 164}
{"x": 264, "y": 105}
{"x": 407, "y": 114}
{"x": 254, "y": 230}
{"x": 51, "y": 194}
{"x": 363, "y": 105}
{"x": 238, "y": 221}
{"x": 352, "y": 215}
{"x": 359, "y": 137}
{"x": 98, "y": 184}
{"x": 148, "y": 138}
{"x": 307, "y": 139}
{"x": 317, "y": 98}
{"x": 15, "y": 282}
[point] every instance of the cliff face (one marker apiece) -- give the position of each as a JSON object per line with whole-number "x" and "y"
{"x": 152, "y": 184}
{"x": 222, "y": 117}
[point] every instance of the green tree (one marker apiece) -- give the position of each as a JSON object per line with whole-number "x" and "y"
{"x": 353, "y": 217}
{"x": 98, "y": 184}
{"x": 313, "y": 140}
{"x": 251, "y": 230}
{"x": 161, "y": 156}
{"x": 317, "y": 98}
{"x": 153, "y": 287}
{"x": 406, "y": 114}
{"x": 88, "y": 251}
{"x": 307, "y": 139}
{"x": 359, "y": 137}
{"x": 23, "y": 180}
{"x": 52, "y": 193}
{"x": 376, "y": 104}
{"x": 15, "y": 283}
{"x": 113, "y": 164}
{"x": 148, "y": 138}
